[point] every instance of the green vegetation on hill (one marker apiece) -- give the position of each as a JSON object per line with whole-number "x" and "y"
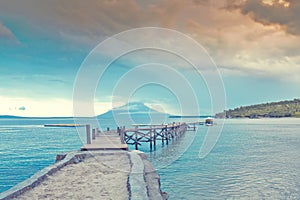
{"x": 275, "y": 109}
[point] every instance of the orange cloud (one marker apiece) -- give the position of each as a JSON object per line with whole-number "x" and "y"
{"x": 282, "y": 12}
{"x": 244, "y": 36}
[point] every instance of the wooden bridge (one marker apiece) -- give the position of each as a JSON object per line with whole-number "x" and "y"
{"x": 141, "y": 133}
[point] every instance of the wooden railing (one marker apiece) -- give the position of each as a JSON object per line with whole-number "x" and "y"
{"x": 144, "y": 133}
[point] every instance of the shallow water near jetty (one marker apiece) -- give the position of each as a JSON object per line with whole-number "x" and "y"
{"x": 253, "y": 159}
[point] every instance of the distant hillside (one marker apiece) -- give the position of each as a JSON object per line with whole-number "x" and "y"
{"x": 189, "y": 116}
{"x": 9, "y": 117}
{"x": 275, "y": 109}
{"x": 19, "y": 117}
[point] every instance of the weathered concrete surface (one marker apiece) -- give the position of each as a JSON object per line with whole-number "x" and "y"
{"x": 151, "y": 178}
{"x": 138, "y": 187}
{"x": 96, "y": 175}
{"x": 109, "y": 140}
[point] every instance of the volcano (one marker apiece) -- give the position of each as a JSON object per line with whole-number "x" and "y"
{"x": 135, "y": 113}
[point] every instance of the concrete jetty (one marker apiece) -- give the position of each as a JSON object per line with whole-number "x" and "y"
{"x": 108, "y": 140}
{"x": 103, "y": 168}
{"x": 92, "y": 175}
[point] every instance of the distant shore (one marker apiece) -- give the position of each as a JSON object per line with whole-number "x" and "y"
{"x": 288, "y": 108}
{"x": 255, "y": 117}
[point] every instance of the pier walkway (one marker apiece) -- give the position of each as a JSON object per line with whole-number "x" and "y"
{"x": 108, "y": 140}
{"x": 141, "y": 133}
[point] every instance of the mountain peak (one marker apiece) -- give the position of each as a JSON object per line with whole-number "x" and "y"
{"x": 133, "y": 107}
{"x": 135, "y": 112}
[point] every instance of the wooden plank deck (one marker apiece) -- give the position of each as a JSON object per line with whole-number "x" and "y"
{"x": 120, "y": 138}
{"x": 109, "y": 140}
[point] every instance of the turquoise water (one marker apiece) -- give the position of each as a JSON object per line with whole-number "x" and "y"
{"x": 253, "y": 159}
{"x": 26, "y": 147}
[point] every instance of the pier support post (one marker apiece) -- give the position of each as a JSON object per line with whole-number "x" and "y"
{"x": 93, "y": 134}
{"x": 174, "y": 130}
{"x": 154, "y": 138}
{"x": 88, "y": 134}
{"x": 163, "y": 135}
{"x": 150, "y": 138}
{"x": 136, "y": 138}
{"x": 167, "y": 135}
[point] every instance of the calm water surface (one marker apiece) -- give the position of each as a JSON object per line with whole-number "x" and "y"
{"x": 253, "y": 159}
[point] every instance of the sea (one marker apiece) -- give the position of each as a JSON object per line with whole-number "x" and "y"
{"x": 252, "y": 158}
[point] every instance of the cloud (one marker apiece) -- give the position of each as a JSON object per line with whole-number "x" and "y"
{"x": 241, "y": 45}
{"x": 242, "y": 36}
{"x": 22, "y": 108}
{"x": 35, "y": 108}
{"x": 78, "y": 20}
{"x": 57, "y": 81}
{"x": 282, "y": 12}
{"x": 6, "y": 35}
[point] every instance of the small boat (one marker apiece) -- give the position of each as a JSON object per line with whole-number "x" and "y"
{"x": 209, "y": 121}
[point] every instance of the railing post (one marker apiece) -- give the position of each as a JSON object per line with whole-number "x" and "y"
{"x": 123, "y": 134}
{"x": 93, "y": 134}
{"x": 163, "y": 135}
{"x": 97, "y": 131}
{"x": 88, "y": 134}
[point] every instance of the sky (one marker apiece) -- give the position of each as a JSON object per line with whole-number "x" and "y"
{"x": 255, "y": 45}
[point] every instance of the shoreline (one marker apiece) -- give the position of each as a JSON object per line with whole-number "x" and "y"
{"x": 142, "y": 180}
